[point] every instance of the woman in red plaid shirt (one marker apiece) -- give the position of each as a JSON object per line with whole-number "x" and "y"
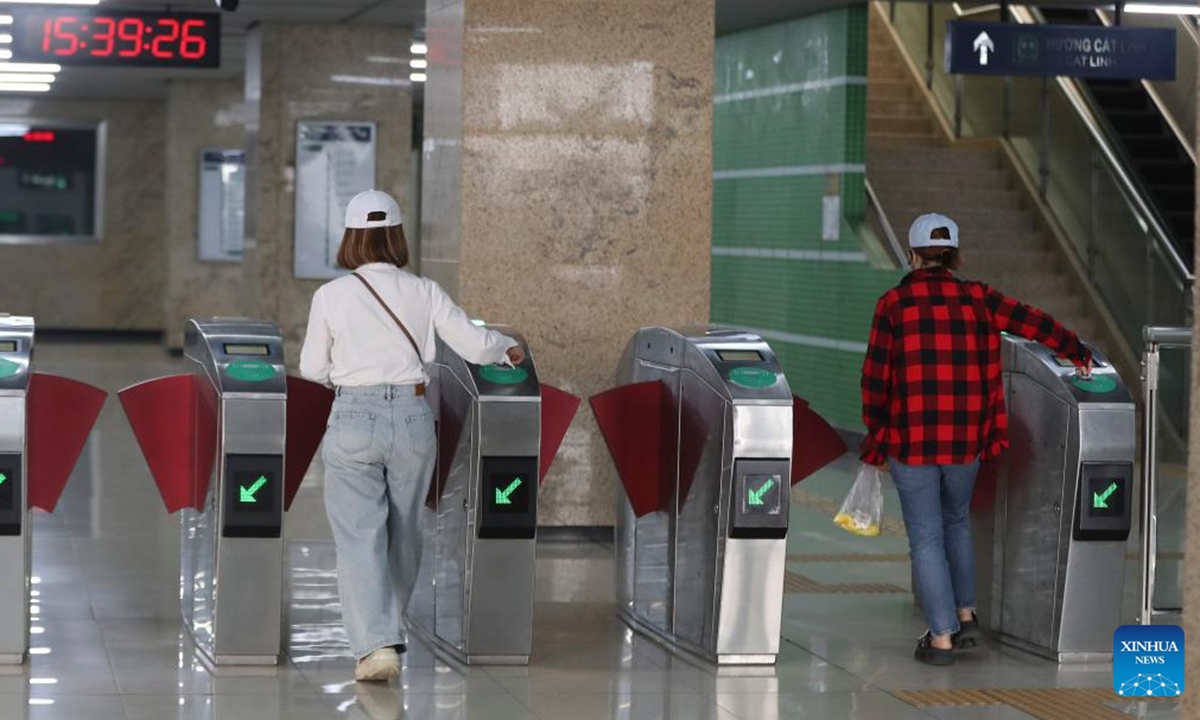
{"x": 933, "y": 404}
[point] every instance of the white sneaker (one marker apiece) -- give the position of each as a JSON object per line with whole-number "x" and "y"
{"x": 383, "y": 665}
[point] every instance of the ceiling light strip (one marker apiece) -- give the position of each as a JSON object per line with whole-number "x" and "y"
{"x": 6, "y": 67}
{"x": 1161, "y": 9}
{"x": 26, "y": 77}
{"x": 25, "y": 87}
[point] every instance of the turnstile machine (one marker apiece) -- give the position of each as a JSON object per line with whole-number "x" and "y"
{"x": 702, "y": 518}
{"x": 1051, "y": 516}
{"x": 219, "y": 443}
{"x": 44, "y": 422}
{"x": 474, "y": 595}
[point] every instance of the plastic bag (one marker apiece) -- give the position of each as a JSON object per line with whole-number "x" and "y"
{"x": 862, "y": 510}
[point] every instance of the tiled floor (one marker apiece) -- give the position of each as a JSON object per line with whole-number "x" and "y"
{"x": 109, "y": 645}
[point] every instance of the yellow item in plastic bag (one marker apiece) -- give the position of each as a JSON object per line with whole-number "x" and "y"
{"x": 858, "y": 524}
{"x": 862, "y": 510}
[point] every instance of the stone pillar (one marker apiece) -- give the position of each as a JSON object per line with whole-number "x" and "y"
{"x": 1190, "y": 705}
{"x": 200, "y": 114}
{"x": 300, "y": 72}
{"x": 568, "y": 188}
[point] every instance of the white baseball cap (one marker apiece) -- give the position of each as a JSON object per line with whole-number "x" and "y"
{"x": 372, "y": 201}
{"x": 919, "y": 235}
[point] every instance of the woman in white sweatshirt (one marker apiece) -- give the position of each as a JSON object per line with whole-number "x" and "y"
{"x": 369, "y": 335}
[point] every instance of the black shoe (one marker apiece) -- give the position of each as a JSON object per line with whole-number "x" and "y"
{"x": 931, "y": 655}
{"x": 968, "y": 635}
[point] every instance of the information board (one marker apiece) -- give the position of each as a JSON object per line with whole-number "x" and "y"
{"x": 979, "y": 48}
{"x": 334, "y": 162}
{"x": 221, "y": 225}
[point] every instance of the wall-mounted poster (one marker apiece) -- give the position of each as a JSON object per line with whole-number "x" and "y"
{"x": 221, "y": 225}
{"x": 334, "y": 162}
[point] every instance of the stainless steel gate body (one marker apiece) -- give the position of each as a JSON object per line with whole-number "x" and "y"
{"x": 1050, "y": 542}
{"x": 474, "y": 595}
{"x": 705, "y": 575}
{"x": 16, "y": 356}
{"x": 232, "y": 555}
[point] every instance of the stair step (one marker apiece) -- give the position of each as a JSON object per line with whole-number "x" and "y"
{"x": 901, "y": 141}
{"x": 946, "y": 180}
{"x": 1014, "y": 227}
{"x": 890, "y": 90}
{"x": 898, "y": 124}
{"x": 898, "y": 108}
{"x": 935, "y": 161}
{"x": 916, "y": 194}
{"x": 885, "y": 71}
{"x": 990, "y": 259}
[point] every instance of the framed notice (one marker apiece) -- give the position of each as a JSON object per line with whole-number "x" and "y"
{"x": 334, "y": 162}
{"x": 221, "y": 224}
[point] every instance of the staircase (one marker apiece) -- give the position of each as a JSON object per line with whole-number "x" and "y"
{"x": 914, "y": 170}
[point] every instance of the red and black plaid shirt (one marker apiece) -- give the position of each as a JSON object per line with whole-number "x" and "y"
{"x": 931, "y": 385}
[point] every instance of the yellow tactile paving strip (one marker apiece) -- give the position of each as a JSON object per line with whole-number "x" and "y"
{"x": 848, "y": 557}
{"x": 1043, "y": 703}
{"x": 797, "y": 584}
{"x": 891, "y": 526}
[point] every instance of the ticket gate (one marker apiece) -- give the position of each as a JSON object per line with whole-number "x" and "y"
{"x": 498, "y": 429}
{"x": 1052, "y": 515}
{"x": 702, "y": 429}
{"x": 44, "y": 423}
{"x": 228, "y": 445}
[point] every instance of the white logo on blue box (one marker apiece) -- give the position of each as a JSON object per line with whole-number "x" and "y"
{"x": 1148, "y": 661}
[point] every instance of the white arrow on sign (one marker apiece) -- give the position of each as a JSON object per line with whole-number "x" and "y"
{"x": 983, "y": 46}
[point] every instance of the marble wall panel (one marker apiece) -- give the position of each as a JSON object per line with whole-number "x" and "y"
{"x": 582, "y": 200}
{"x": 315, "y": 72}
{"x": 201, "y": 114}
{"x": 118, "y": 282}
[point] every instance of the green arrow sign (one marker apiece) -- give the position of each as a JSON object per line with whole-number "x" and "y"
{"x": 503, "y": 496}
{"x": 1100, "y": 500}
{"x": 756, "y": 496}
{"x": 247, "y": 494}
{"x": 3, "y": 478}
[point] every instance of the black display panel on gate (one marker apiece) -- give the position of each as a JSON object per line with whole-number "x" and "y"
{"x": 508, "y": 506}
{"x": 253, "y": 505}
{"x": 1105, "y": 507}
{"x": 761, "y": 494}
{"x": 11, "y": 503}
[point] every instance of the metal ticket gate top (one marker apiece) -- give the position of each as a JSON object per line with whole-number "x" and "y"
{"x": 498, "y": 428}
{"x": 228, "y": 444}
{"x": 1052, "y": 515}
{"x": 44, "y": 422}
{"x": 701, "y": 430}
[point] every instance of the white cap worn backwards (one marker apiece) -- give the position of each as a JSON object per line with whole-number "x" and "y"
{"x": 372, "y": 201}
{"x": 919, "y": 235}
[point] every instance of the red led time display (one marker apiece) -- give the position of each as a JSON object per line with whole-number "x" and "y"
{"x": 69, "y": 36}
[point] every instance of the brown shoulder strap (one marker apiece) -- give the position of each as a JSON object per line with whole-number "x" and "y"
{"x": 392, "y": 315}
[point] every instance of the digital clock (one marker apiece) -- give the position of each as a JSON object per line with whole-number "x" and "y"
{"x": 70, "y": 36}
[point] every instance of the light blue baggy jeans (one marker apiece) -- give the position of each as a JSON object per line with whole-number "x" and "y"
{"x": 379, "y": 455}
{"x": 936, "y": 503}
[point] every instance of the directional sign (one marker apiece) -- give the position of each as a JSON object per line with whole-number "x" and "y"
{"x": 3, "y": 478}
{"x": 976, "y": 48}
{"x": 504, "y": 497}
{"x": 1100, "y": 500}
{"x": 755, "y": 497}
{"x": 247, "y": 493}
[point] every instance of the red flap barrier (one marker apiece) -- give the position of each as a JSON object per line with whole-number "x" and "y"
{"x": 558, "y": 410}
{"x": 62, "y": 413}
{"x": 815, "y": 443}
{"x": 633, "y": 420}
{"x": 175, "y": 421}
{"x": 308, "y": 406}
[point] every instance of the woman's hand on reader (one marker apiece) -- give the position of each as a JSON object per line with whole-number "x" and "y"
{"x": 516, "y": 354}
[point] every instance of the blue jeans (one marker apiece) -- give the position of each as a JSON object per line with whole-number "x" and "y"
{"x": 379, "y": 454}
{"x": 936, "y": 502}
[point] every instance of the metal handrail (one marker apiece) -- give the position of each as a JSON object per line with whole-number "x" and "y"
{"x": 898, "y": 253}
{"x": 1155, "y": 338}
{"x": 1129, "y": 187}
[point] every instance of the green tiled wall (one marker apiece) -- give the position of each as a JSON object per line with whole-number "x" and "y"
{"x": 827, "y": 303}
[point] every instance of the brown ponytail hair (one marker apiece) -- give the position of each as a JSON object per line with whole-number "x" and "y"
{"x": 947, "y": 257}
